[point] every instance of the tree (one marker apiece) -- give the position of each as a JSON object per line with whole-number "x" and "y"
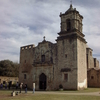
{"x": 9, "y": 68}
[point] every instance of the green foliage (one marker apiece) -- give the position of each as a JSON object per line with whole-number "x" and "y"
{"x": 9, "y": 68}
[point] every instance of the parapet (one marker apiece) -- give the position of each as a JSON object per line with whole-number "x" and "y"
{"x": 27, "y": 47}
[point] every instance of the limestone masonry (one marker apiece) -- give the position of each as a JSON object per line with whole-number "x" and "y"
{"x": 62, "y": 64}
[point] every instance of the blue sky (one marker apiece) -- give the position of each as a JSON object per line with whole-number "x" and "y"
{"x": 24, "y": 22}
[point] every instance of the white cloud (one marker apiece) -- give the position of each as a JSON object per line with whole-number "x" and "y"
{"x": 24, "y": 22}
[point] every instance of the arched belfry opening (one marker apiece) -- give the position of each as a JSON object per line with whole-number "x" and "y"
{"x": 68, "y": 22}
{"x": 42, "y": 81}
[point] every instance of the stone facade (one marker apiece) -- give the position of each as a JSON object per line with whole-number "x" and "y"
{"x": 49, "y": 65}
{"x": 93, "y": 77}
{"x": 93, "y": 72}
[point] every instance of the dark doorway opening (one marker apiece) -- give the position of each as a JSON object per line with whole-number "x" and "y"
{"x": 42, "y": 81}
{"x": 68, "y": 25}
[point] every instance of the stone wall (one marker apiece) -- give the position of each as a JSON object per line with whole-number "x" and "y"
{"x": 32, "y": 66}
{"x": 26, "y": 64}
{"x": 81, "y": 64}
{"x": 90, "y": 59}
{"x": 46, "y": 67}
{"x": 67, "y": 63}
{"x": 93, "y": 77}
{"x": 96, "y": 63}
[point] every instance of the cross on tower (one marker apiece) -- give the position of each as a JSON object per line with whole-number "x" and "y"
{"x": 71, "y": 2}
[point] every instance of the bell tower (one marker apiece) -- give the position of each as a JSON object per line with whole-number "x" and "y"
{"x": 71, "y": 23}
{"x": 71, "y": 50}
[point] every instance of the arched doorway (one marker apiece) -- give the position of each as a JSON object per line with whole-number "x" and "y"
{"x": 68, "y": 24}
{"x": 42, "y": 81}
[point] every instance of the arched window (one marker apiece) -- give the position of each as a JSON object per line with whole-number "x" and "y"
{"x": 68, "y": 25}
{"x": 42, "y": 58}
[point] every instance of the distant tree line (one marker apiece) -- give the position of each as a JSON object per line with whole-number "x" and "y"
{"x": 9, "y": 68}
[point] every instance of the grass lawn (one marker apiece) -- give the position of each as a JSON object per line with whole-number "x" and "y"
{"x": 6, "y": 95}
{"x": 82, "y": 91}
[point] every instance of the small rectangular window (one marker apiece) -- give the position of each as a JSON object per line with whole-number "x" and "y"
{"x": 92, "y": 77}
{"x": 51, "y": 60}
{"x": 43, "y": 58}
{"x": 29, "y": 46}
{"x": 24, "y": 76}
{"x": 25, "y": 47}
{"x": 66, "y": 77}
{"x": 22, "y": 48}
{"x": 65, "y": 55}
{"x": 90, "y": 53}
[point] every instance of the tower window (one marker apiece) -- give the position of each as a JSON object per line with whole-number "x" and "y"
{"x": 43, "y": 58}
{"x": 66, "y": 77}
{"x": 65, "y": 55}
{"x": 68, "y": 25}
{"x": 92, "y": 77}
{"x": 24, "y": 76}
{"x": 51, "y": 59}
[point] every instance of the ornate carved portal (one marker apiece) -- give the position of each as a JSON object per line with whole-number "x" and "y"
{"x": 42, "y": 81}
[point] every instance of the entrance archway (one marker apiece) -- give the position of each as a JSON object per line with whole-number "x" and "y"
{"x": 42, "y": 81}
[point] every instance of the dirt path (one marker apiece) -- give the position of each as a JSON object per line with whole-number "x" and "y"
{"x": 63, "y": 93}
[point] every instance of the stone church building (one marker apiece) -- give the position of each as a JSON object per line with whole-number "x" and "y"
{"x": 65, "y": 62}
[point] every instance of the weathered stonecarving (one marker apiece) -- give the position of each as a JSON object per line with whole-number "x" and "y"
{"x": 50, "y": 65}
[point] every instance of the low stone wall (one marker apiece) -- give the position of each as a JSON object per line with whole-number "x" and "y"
{"x": 4, "y": 79}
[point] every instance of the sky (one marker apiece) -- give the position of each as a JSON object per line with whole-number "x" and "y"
{"x": 25, "y": 22}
